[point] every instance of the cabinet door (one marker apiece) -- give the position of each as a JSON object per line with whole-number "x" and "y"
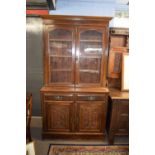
{"x": 90, "y": 56}
{"x": 59, "y": 55}
{"x": 59, "y": 116}
{"x": 91, "y": 116}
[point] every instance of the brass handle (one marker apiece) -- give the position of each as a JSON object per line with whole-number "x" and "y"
{"x": 58, "y": 97}
{"x": 91, "y": 98}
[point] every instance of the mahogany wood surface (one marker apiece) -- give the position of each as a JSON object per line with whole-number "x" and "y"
{"x": 74, "y": 96}
{"x": 118, "y": 114}
{"x": 118, "y": 44}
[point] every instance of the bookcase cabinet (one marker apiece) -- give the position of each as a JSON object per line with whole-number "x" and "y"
{"x": 74, "y": 95}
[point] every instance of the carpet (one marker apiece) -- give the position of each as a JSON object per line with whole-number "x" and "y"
{"x": 87, "y": 150}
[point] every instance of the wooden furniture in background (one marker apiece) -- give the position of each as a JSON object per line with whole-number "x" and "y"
{"x": 118, "y": 114}
{"x": 119, "y": 37}
{"x": 118, "y": 44}
{"x": 74, "y": 95}
{"x": 28, "y": 116}
{"x": 115, "y": 62}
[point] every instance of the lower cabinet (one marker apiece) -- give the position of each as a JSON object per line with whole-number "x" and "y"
{"x": 118, "y": 122}
{"x": 74, "y": 115}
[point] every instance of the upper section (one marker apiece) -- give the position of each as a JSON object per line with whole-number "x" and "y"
{"x": 76, "y": 50}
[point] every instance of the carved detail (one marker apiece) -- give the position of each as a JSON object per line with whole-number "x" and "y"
{"x": 117, "y": 63}
{"x": 58, "y": 116}
{"x": 90, "y": 118}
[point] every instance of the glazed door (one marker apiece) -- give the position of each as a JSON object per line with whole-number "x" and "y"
{"x": 59, "y": 55}
{"x": 90, "y": 56}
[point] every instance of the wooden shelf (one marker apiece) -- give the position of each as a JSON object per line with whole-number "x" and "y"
{"x": 61, "y": 56}
{"x": 89, "y": 70}
{"x": 61, "y": 40}
{"x": 90, "y": 57}
{"x": 61, "y": 70}
{"x": 96, "y": 41}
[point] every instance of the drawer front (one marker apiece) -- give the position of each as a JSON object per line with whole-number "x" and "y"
{"x": 121, "y": 101}
{"x": 91, "y": 97}
{"x": 58, "y": 97}
{"x": 123, "y": 117}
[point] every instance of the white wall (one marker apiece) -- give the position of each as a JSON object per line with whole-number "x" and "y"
{"x": 91, "y": 8}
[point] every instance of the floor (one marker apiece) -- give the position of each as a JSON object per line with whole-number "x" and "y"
{"x": 42, "y": 146}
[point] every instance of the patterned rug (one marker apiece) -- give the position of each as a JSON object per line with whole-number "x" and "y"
{"x": 87, "y": 150}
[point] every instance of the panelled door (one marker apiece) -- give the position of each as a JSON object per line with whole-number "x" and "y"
{"x": 59, "y": 116}
{"x": 90, "y": 56}
{"x": 59, "y": 55}
{"x": 91, "y": 116}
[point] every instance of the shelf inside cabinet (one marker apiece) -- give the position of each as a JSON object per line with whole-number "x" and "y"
{"x": 97, "y": 41}
{"x": 90, "y": 56}
{"x": 61, "y": 56}
{"x": 61, "y": 40}
{"x": 90, "y": 71}
{"x": 61, "y": 70}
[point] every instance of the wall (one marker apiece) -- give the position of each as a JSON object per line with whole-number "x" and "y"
{"x": 34, "y": 61}
{"x": 34, "y": 41}
{"x": 84, "y": 7}
{"x": 92, "y": 8}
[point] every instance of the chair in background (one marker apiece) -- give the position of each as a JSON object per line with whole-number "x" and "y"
{"x": 28, "y": 116}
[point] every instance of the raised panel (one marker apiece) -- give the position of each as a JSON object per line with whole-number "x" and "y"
{"x": 59, "y": 116}
{"x": 118, "y": 41}
{"x": 115, "y": 62}
{"x": 91, "y": 116}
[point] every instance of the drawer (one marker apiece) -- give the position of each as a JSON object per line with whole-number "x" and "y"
{"x": 58, "y": 97}
{"x": 91, "y": 97}
{"x": 121, "y": 101}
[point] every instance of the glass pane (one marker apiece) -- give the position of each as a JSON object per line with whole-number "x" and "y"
{"x": 60, "y": 34}
{"x": 61, "y": 76}
{"x": 60, "y": 51}
{"x": 60, "y": 48}
{"x": 61, "y": 63}
{"x": 88, "y": 77}
{"x": 90, "y": 48}
{"x": 91, "y": 35}
{"x": 90, "y": 63}
{"x": 90, "y": 56}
